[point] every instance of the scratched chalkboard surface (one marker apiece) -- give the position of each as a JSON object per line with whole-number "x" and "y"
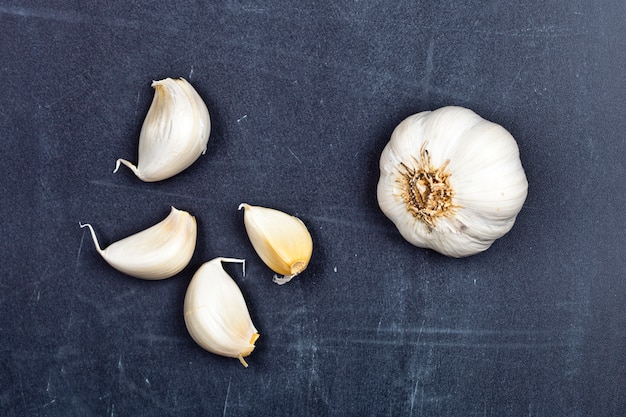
{"x": 303, "y": 97}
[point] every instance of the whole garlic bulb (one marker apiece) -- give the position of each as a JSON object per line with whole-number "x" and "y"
{"x": 174, "y": 134}
{"x": 451, "y": 181}
{"x": 216, "y": 314}
{"x": 159, "y": 252}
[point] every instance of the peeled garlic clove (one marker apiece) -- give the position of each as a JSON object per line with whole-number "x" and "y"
{"x": 216, "y": 314}
{"x": 158, "y": 252}
{"x": 451, "y": 181}
{"x": 282, "y": 241}
{"x": 174, "y": 134}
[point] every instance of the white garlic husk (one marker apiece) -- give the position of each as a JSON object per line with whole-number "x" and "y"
{"x": 174, "y": 134}
{"x": 159, "y": 252}
{"x": 281, "y": 240}
{"x": 451, "y": 181}
{"x": 216, "y": 314}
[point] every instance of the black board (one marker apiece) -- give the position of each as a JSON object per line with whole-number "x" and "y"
{"x": 303, "y": 97}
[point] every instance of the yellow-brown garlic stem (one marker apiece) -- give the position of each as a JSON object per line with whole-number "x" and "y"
{"x": 426, "y": 190}
{"x": 242, "y": 355}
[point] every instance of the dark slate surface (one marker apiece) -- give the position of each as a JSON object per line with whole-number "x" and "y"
{"x": 303, "y": 97}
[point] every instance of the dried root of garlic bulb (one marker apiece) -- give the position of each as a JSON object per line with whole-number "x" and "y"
{"x": 216, "y": 314}
{"x": 451, "y": 181}
{"x": 158, "y": 252}
{"x": 174, "y": 134}
{"x": 282, "y": 241}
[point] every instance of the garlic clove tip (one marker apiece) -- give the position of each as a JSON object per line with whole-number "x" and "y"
{"x": 93, "y": 237}
{"x": 129, "y": 164}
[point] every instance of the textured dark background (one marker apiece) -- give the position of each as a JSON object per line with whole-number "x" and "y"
{"x": 303, "y": 97}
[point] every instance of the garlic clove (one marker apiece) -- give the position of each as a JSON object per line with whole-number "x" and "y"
{"x": 216, "y": 314}
{"x": 451, "y": 181}
{"x": 159, "y": 252}
{"x": 174, "y": 134}
{"x": 282, "y": 241}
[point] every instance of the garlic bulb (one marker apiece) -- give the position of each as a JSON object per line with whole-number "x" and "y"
{"x": 216, "y": 314}
{"x": 158, "y": 252}
{"x": 174, "y": 134}
{"x": 451, "y": 181}
{"x": 282, "y": 241}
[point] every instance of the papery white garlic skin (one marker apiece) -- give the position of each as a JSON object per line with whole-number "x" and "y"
{"x": 281, "y": 240}
{"x": 216, "y": 314}
{"x": 451, "y": 181}
{"x": 174, "y": 134}
{"x": 159, "y": 252}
